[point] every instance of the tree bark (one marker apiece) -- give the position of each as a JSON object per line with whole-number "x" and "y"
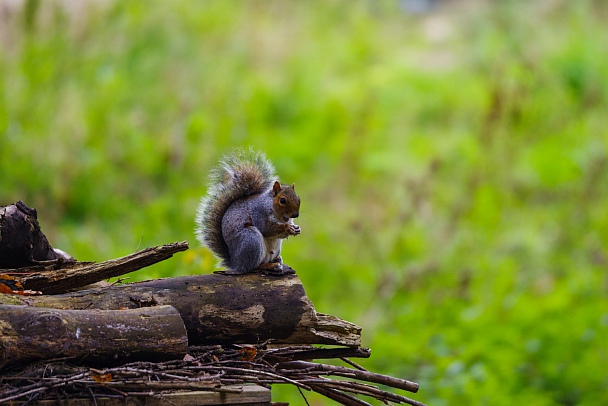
{"x": 105, "y": 337}
{"x": 220, "y": 309}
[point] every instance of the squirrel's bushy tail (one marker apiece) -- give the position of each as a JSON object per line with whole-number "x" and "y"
{"x": 238, "y": 174}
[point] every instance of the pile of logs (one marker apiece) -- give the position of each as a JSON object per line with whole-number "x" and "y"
{"x": 212, "y": 333}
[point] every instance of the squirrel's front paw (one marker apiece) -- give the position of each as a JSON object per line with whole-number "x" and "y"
{"x": 294, "y": 229}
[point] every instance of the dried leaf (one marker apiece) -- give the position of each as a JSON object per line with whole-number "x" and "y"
{"x": 5, "y": 289}
{"x": 248, "y": 352}
{"x": 12, "y": 286}
{"x": 102, "y": 378}
{"x": 10, "y": 281}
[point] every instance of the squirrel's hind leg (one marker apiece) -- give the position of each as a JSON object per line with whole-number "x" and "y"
{"x": 247, "y": 250}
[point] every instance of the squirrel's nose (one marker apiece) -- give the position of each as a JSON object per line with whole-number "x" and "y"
{"x": 294, "y": 215}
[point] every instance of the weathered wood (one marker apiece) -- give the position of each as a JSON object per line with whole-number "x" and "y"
{"x": 283, "y": 354}
{"x": 220, "y": 309}
{"x": 22, "y": 243}
{"x": 77, "y": 275}
{"x": 104, "y": 337}
{"x": 244, "y": 395}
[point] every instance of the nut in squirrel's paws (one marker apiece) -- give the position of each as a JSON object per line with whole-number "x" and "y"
{"x": 294, "y": 229}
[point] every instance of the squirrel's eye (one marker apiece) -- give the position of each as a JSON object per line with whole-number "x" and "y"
{"x": 282, "y": 200}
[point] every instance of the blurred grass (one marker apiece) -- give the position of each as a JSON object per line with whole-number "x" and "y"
{"x": 452, "y": 166}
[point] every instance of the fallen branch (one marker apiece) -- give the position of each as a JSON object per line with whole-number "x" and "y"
{"x": 297, "y": 353}
{"x": 348, "y": 372}
{"x": 53, "y": 281}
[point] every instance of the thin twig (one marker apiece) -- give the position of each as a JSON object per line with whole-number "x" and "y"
{"x": 303, "y": 397}
{"x": 338, "y": 396}
{"x": 353, "y": 364}
{"x": 362, "y": 375}
{"x": 92, "y": 395}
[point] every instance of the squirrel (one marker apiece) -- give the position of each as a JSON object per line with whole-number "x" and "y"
{"x": 247, "y": 213}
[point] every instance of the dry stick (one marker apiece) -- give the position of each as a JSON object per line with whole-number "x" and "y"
{"x": 43, "y": 385}
{"x": 347, "y": 372}
{"x": 250, "y": 371}
{"x": 353, "y": 364}
{"x": 62, "y": 280}
{"x": 367, "y": 390}
{"x": 109, "y": 395}
{"x": 162, "y": 397}
{"x": 120, "y": 393}
{"x": 380, "y": 395}
{"x": 39, "y": 388}
{"x": 303, "y": 397}
{"x": 38, "y": 384}
{"x": 355, "y": 387}
{"x": 339, "y": 397}
{"x": 320, "y": 353}
{"x": 137, "y": 371}
{"x": 92, "y": 395}
{"x": 19, "y": 395}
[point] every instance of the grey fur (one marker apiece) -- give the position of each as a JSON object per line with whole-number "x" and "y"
{"x": 242, "y": 178}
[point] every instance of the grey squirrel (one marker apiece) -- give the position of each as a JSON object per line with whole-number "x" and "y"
{"x": 247, "y": 213}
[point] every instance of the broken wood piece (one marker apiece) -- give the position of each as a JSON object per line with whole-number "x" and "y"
{"x": 304, "y": 353}
{"x": 105, "y": 337}
{"x": 82, "y": 274}
{"x": 22, "y": 242}
{"x": 220, "y": 309}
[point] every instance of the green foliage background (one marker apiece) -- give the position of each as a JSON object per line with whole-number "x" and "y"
{"x": 452, "y": 166}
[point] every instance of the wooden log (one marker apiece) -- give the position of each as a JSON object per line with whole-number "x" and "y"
{"x": 105, "y": 337}
{"x": 76, "y": 276}
{"x": 220, "y": 309}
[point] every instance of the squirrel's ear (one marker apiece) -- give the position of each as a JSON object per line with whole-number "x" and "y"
{"x": 293, "y": 186}
{"x": 276, "y": 188}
